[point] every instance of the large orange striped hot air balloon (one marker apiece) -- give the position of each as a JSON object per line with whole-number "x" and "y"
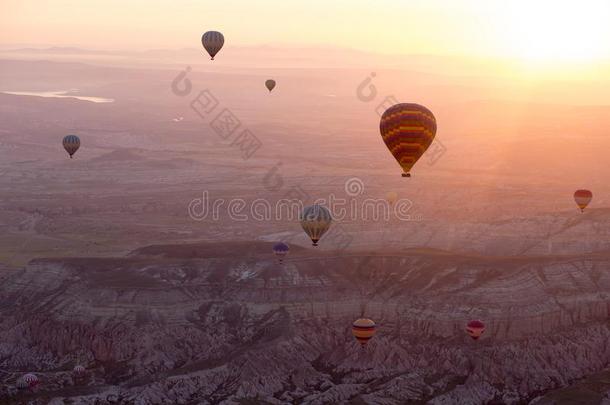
{"x": 408, "y": 131}
{"x": 583, "y": 198}
{"x": 475, "y": 329}
{"x": 363, "y": 330}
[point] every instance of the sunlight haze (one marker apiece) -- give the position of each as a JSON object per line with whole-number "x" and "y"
{"x": 540, "y": 30}
{"x": 285, "y": 202}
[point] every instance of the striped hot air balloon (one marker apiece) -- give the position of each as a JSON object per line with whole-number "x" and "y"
{"x": 79, "y": 370}
{"x": 212, "y": 41}
{"x": 71, "y": 144}
{"x": 408, "y": 131}
{"x": 315, "y": 221}
{"x": 475, "y": 329}
{"x": 270, "y": 84}
{"x": 31, "y": 380}
{"x": 280, "y": 249}
{"x": 583, "y": 198}
{"x": 363, "y": 330}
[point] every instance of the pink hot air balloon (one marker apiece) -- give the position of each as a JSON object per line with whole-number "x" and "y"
{"x": 475, "y": 329}
{"x": 583, "y": 198}
{"x": 31, "y": 380}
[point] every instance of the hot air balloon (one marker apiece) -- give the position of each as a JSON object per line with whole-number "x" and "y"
{"x": 391, "y": 196}
{"x": 408, "y": 131}
{"x": 583, "y": 198}
{"x": 79, "y": 370}
{"x": 31, "y": 380}
{"x": 315, "y": 221}
{"x": 475, "y": 329}
{"x": 270, "y": 84}
{"x": 280, "y": 249}
{"x": 212, "y": 42}
{"x": 71, "y": 144}
{"x": 363, "y": 330}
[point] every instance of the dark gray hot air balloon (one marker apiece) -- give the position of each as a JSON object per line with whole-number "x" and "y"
{"x": 212, "y": 42}
{"x": 270, "y": 84}
{"x": 71, "y": 144}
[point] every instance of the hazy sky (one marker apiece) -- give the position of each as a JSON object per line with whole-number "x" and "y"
{"x": 547, "y": 30}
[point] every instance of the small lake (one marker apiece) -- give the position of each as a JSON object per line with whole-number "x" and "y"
{"x": 60, "y": 94}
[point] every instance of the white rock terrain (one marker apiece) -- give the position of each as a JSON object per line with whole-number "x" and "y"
{"x": 226, "y": 324}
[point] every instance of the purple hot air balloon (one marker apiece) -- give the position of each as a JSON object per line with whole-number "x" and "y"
{"x": 281, "y": 249}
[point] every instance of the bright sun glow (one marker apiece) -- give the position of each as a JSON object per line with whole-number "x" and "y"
{"x": 558, "y": 30}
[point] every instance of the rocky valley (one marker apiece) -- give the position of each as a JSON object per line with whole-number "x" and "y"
{"x": 226, "y": 323}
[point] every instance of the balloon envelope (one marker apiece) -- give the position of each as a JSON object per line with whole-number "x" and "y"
{"x": 212, "y": 41}
{"x": 270, "y": 84}
{"x": 30, "y": 379}
{"x": 315, "y": 221}
{"x": 583, "y": 198}
{"x": 391, "y": 196}
{"x": 280, "y": 249}
{"x": 475, "y": 329}
{"x": 71, "y": 144}
{"x": 79, "y": 370}
{"x": 363, "y": 330}
{"x": 407, "y": 130}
